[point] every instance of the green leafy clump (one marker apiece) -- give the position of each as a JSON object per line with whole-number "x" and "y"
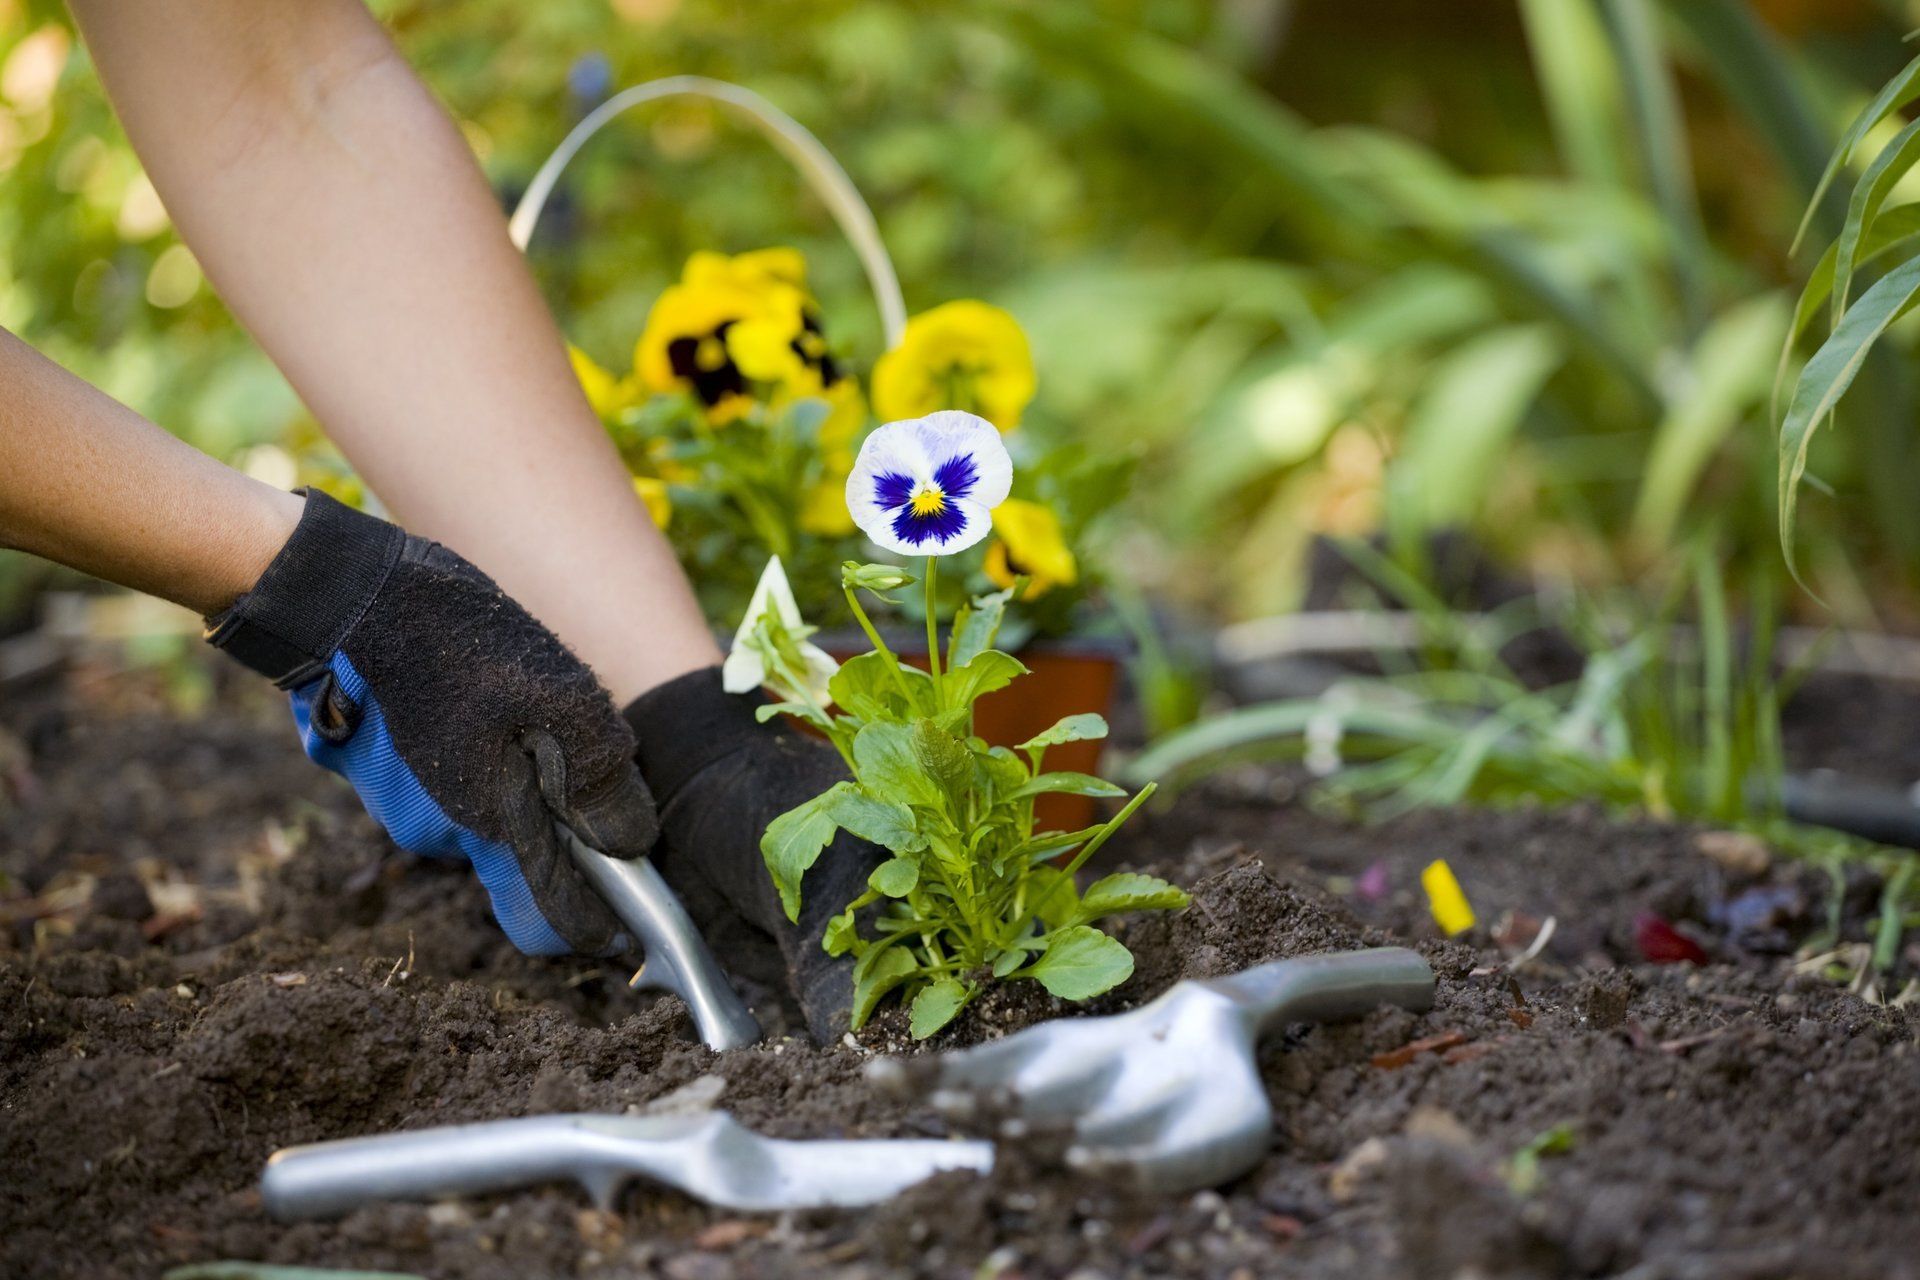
{"x": 972, "y": 894}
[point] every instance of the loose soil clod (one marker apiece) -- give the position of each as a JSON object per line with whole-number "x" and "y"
{"x": 1731, "y": 1118}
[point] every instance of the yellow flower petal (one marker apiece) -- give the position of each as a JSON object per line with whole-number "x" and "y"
{"x": 747, "y": 311}
{"x": 1446, "y": 899}
{"x": 824, "y": 509}
{"x": 960, "y": 355}
{"x": 1030, "y": 543}
{"x": 763, "y": 267}
{"x": 653, "y": 492}
{"x": 762, "y": 348}
{"x": 609, "y": 396}
{"x": 682, "y": 311}
{"x": 848, "y": 414}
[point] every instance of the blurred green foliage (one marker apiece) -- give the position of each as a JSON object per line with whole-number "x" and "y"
{"x": 1519, "y": 265}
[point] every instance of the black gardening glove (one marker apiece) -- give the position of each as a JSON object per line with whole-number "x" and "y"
{"x": 720, "y": 777}
{"x": 466, "y": 726}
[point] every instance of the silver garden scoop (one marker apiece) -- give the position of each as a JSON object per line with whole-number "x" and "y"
{"x": 677, "y": 957}
{"x": 1168, "y": 1095}
{"x": 709, "y": 1156}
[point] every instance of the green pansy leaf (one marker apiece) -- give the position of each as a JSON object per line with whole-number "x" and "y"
{"x": 1080, "y": 728}
{"x": 975, "y": 626}
{"x": 1052, "y": 897}
{"x": 956, "y": 722}
{"x": 881, "y": 970}
{"x": 1082, "y": 962}
{"x": 936, "y": 1006}
{"x": 944, "y": 759}
{"x": 1073, "y": 784}
{"x": 895, "y": 877}
{"x": 798, "y": 710}
{"x": 1009, "y": 960}
{"x": 866, "y": 686}
{"x": 1129, "y": 891}
{"x": 884, "y": 760}
{"x": 793, "y": 840}
{"x": 987, "y": 672}
{"x": 1004, "y": 769}
{"x": 838, "y": 939}
{"x": 883, "y": 822}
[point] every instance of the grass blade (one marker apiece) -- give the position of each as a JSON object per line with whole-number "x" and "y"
{"x": 1869, "y": 194}
{"x": 1654, "y": 109}
{"x": 1579, "y": 82}
{"x": 1828, "y": 375}
{"x": 1465, "y": 422}
{"x": 1756, "y": 73}
{"x": 1896, "y": 93}
{"x": 1721, "y": 784}
{"x": 1896, "y": 231}
{"x": 1731, "y": 364}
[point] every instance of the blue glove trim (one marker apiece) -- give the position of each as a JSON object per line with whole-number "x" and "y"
{"x": 392, "y": 793}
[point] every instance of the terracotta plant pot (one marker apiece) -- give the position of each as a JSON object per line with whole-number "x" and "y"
{"x": 1070, "y": 676}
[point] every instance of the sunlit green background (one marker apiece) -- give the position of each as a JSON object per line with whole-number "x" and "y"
{"x": 1336, "y": 267}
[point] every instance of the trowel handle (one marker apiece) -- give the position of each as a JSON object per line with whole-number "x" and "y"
{"x": 326, "y": 1179}
{"x": 677, "y": 957}
{"x": 1328, "y": 988}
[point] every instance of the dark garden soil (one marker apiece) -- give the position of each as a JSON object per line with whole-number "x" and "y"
{"x": 209, "y": 953}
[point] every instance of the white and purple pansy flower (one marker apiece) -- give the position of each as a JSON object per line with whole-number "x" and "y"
{"x": 926, "y": 486}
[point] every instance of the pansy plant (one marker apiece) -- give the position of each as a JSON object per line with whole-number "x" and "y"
{"x": 972, "y": 894}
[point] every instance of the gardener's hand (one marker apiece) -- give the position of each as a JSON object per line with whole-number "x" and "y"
{"x": 721, "y": 777}
{"x": 467, "y": 727}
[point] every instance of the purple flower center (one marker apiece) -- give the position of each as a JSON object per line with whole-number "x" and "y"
{"x": 928, "y": 513}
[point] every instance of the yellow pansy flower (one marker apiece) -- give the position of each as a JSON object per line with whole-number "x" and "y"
{"x": 653, "y": 492}
{"x": 960, "y": 355}
{"x": 1029, "y": 544}
{"x": 731, "y": 323}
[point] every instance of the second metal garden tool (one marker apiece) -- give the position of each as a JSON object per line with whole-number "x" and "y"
{"x": 709, "y": 1156}
{"x": 1169, "y": 1095}
{"x": 677, "y": 957}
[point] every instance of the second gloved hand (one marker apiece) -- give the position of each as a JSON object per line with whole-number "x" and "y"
{"x": 466, "y": 727}
{"x": 720, "y": 777}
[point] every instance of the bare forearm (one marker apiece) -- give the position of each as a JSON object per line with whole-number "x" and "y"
{"x": 89, "y": 483}
{"x": 339, "y": 213}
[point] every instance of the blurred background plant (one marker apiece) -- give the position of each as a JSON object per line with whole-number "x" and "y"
{"x": 1674, "y": 710}
{"x": 1521, "y": 266}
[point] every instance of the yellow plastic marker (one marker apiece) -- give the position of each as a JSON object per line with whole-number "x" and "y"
{"x": 1451, "y": 910}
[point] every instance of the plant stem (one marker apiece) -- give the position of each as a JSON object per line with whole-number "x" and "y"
{"x": 798, "y": 682}
{"x": 1093, "y": 846}
{"x": 933, "y": 635}
{"x": 879, "y": 645}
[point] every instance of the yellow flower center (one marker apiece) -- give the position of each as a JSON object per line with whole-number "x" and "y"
{"x": 930, "y": 501}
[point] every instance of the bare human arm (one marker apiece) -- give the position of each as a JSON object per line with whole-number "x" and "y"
{"x": 86, "y": 481}
{"x": 340, "y": 214}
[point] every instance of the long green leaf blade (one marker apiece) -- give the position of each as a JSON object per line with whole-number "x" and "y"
{"x": 1894, "y": 160}
{"x": 1828, "y": 375}
{"x": 1896, "y": 93}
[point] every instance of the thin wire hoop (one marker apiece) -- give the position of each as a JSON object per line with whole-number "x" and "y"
{"x": 816, "y": 164}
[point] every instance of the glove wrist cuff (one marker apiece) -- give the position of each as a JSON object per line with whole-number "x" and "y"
{"x": 685, "y": 725}
{"x": 309, "y": 597}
